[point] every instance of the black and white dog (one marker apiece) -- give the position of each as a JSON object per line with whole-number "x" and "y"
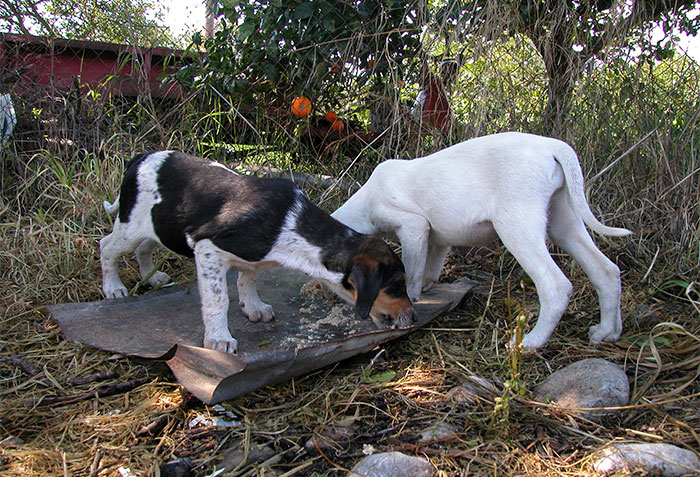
{"x": 199, "y": 208}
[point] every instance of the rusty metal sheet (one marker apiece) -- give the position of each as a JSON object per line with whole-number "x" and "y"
{"x": 308, "y": 332}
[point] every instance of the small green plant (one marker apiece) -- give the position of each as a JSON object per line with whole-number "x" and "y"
{"x": 513, "y": 385}
{"x": 689, "y": 290}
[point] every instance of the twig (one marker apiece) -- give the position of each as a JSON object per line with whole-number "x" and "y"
{"x": 25, "y": 365}
{"x": 150, "y": 274}
{"x": 95, "y": 466}
{"x": 339, "y": 181}
{"x": 103, "y": 391}
{"x": 325, "y": 457}
{"x": 482, "y": 318}
{"x": 622, "y": 156}
{"x": 154, "y": 427}
{"x": 101, "y": 376}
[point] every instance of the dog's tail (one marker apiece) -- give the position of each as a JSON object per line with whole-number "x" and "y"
{"x": 111, "y": 208}
{"x": 568, "y": 160}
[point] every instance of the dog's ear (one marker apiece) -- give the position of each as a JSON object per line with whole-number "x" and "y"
{"x": 366, "y": 282}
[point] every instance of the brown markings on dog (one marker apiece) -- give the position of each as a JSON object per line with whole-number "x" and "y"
{"x": 378, "y": 286}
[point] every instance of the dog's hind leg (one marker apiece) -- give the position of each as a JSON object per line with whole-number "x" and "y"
{"x": 212, "y": 265}
{"x": 112, "y": 247}
{"x": 525, "y": 238}
{"x": 251, "y": 304}
{"x": 566, "y": 229}
{"x": 144, "y": 257}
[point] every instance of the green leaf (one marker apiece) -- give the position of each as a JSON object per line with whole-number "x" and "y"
{"x": 329, "y": 23}
{"x": 264, "y": 343}
{"x": 676, "y": 283}
{"x": 271, "y": 72}
{"x": 379, "y": 377}
{"x": 246, "y": 29}
{"x": 305, "y": 10}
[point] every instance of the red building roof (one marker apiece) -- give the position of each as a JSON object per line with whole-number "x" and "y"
{"x": 106, "y": 67}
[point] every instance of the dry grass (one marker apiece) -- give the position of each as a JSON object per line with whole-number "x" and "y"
{"x": 105, "y": 433}
{"x": 51, "y": 220}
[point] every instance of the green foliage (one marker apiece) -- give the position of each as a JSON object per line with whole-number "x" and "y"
{"x": 567, "y": 34}
{"x": 307, "y": 47}
{"x": 119, "y": 21}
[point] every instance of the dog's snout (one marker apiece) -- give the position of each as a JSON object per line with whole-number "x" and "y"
{"x": 406, "y": 318}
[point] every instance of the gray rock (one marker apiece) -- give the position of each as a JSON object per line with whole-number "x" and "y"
{"x": 236, "y": 457}
{"x": 437, "y": 431}
{"x": 177, "y": 468}
{"x": 471, "y": 390}
{"x": 665, "y": 460}
{"x": 586, "y": 384}
{"x": 391, "y": 464}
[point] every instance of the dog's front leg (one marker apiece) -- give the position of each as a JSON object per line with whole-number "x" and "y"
{"x": 413, "y": 235}
{"x": 212, "y": 265}
{"x": 251, "y": 304}
{"x": 434, "y": 262}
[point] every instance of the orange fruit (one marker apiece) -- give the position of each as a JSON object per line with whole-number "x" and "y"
{"x": 301, "y": 106}
{"x": 331, "y": 116}
{"x": 337, "y": 126}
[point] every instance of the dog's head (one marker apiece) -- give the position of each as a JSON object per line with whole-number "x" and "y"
{"x": 376, "y": 280}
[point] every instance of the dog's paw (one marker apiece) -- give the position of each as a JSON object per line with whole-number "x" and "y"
{"x": 223, "y": 342}
{"x": 531, "y": 342}
{"x": 115, "y": 292}
{"x": 597, "y": 334}
{"x": 158, "y": 279}
{"x": 263, "y": 312}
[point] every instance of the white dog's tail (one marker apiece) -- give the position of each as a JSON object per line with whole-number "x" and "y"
{"x": 567, "y": 159}
{"x": 113, "y": 207}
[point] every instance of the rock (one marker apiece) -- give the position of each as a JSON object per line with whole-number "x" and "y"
{"x": 439, "y": 430}
{"x": 177, "y": 468}
{"x": 330, "y": 436}
{"x": 235, "y": 457}
{"x": 11, "y": 441}
{"x": 585, "y": 384}
{"x": 472, "y": 389}
{"x": 665, "y": 460}
{"x": 391, "y": 464}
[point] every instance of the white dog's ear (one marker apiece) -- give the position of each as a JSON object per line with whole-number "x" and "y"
{"x": 365, "y": 280}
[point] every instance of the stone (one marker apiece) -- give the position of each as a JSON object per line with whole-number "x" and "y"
{"x": 472, "y": 390}
{"x": 586, "y": 384}
{"x": 391, "y": 464}
{"x": 235, "y": 457}
{"x": 330, "y": 436}
{"x": 177, "y": 468}
{"x": 665, "y": 460}
{"x": 438, "y": 431}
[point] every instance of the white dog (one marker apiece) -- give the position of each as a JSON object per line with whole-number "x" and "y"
{"x": 519, "y": 187}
